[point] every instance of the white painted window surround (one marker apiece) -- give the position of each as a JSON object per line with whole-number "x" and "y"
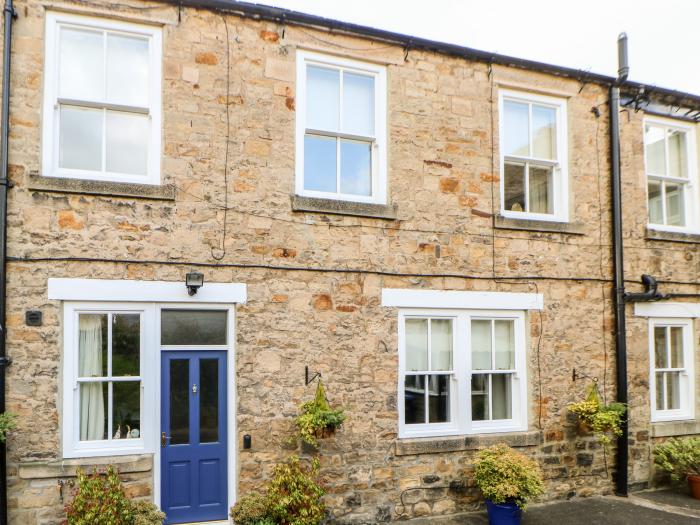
{"x": 454, "y": 376}
{"x": 102, "y": 99}
{"x": 543, "y": 156}
{"x": 341, "y": 128}
{"x": 146, "y": 298}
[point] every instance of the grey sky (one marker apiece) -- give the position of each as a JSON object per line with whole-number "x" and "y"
{"x": 664, "y": 36}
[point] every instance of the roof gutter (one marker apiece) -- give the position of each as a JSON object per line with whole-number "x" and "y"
{"x": 286, "y": 16}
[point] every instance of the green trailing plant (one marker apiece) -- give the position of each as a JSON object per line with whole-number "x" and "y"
{"x": 8, "y": 422}
{"x": 605, "y": 421}
{"x": 316, "y": 418}
{"x": 503, "y": 475}
{"x": 100, "y": 499}
{"x": 292, "y": 497}
{"x": 679, "y": 457}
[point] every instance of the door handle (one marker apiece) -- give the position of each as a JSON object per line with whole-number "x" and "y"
{"x": 163, "y": 439}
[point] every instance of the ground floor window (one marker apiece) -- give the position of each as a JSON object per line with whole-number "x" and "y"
{"x": 461, "y": 372}
{"x": 672, "y": 369}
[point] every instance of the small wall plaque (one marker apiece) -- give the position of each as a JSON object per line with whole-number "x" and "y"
{"x": 33, "y": 318}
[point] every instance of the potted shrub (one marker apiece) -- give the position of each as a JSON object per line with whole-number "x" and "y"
{"x": 508, "y": 480}
{"x": 681, "y": 459}
{"x": 317, "y": 419}
{"x": 603, "y": 420}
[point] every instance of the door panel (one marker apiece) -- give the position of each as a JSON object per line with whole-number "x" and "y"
{"x": 194, "y": 439}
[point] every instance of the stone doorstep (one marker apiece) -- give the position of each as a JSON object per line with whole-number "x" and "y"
{"x": 68, "y": 467}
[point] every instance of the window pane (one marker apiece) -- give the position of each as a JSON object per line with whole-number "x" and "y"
{"x": 126, "y": 404}
{"x": 92, "y": 345}
{"x": 414, "y": 399}
{"x": 439, "y": 399}
{"x": 673, "y": 390}
{"x": 127, "y": 70}
{"x": 675, "y": 210}
{"x": 358, "y": 104}
{"x": 655, "y": 150}
{"x": 660, "y": 405}
{"x": 208, "y": 400}
{"x": 480, "y": 397}
{"x": 441, "y": 344}
{"x": 544, "y": 132}
{"x": 80, "y": 138}
{"x": 193, "y": 327}
{"x": 179, "y": 401}
{"x": 515, "y": 124}
{"x": 677, "y": 161}
{"x": 126, "y": 344}
{"x": 514, "y": 187}
{"x": 505, "y": 345}
{"x": 660, "y": 356}
{"x": 481, "y": 345}
{"x": 81, "y": 70}
{"x": 501, "y": 395}
{"x": 322, "y": 98}
{"x": 93, "y": 411}
{"x": 676, "y": 347}
{"x": 540, "y": 190}
{"x": 656, "y": 211}
{"x": 416, "y": 344}
{"x": 127, "y": 143}
{"x": 320, "y": 163}
{"x": 355, "y": 167}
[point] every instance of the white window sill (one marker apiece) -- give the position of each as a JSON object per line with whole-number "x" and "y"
{"x": 544, "y": 217}
{"x": 99, "y": 451}
{"x": 435, "y": 445}
{"x": 526, "y": 223}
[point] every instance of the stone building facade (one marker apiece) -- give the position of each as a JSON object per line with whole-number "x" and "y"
{"x": 315, "y": 270}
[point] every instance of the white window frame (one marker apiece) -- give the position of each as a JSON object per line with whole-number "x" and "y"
{"x": 560, "y": 167}
{"x": 460, "y": 383}
{"x": 51, "y": 101}
{"x": 379, "y": 141}
{"x": 691, "y": 195}
{"x": 687, "y": 376}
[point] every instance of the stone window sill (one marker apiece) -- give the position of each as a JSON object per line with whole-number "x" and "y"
{"x": 675, "y": 428}
{"x": 337, "y": 207}
{"x": 508, "y": 223}
{"x": 68, "y": 467}
{"x": 660, "y": 235}
{"x": 414, "y": 446}
{"x": 37, "y": 182}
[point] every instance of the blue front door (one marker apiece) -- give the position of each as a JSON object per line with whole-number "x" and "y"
{"x": 193, "y": 436}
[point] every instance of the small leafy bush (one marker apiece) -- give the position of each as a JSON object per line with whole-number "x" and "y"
{"x": 317, "y": 418}
{"x": 8, "y": 422}
{"x": 146, "y": 513}
{"x": 503, "y": 474}
{"x": 604, "y": 420}
{"x": 100, "y": 499}
{"x": 679, "y": 457}
{"x": 293, "y": 497}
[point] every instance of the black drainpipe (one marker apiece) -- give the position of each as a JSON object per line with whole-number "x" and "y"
{"x": 621, "y": 481}
{"x": 9, "y": 13}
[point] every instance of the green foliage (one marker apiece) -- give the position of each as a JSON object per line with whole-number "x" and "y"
{"x": 679, "y": 457}
{"x": 100, "y": 499}
{"x": 8, "y": 422}
{"x": 146, "y": 513}
{"x": 293, "y": 497}
{"x": 316, "y": 418}
{"x": 503, "y": 474}
{"x": 604, "y": 420}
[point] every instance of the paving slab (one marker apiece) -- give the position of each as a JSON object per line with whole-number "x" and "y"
{"x": 676, "y": 498}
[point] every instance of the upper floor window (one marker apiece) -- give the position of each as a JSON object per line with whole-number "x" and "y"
{"x": 671, "y": 174}
{"x": 672, "y": 369}
{"x": 533, "y": 157}
{"x": 341, "y": 129}
{"x": 102, "y": 100}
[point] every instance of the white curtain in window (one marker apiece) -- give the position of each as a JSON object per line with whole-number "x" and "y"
{"x": 92, "y": 412}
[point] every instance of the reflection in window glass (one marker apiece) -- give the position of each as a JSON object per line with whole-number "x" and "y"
{"x": 322, "y": 98}
{"x": 358, "y": 104}
{"x": 414, "y": 399}
{"x": 179, "y": 401}
{"x": 656, "y": 210}
{"x": 441, "y": 344}
{"x": 127, "y": 70}
{"x": 516, "y": 128}
{"x": 193, "y": 327}
{"x": 481, "y": 344}
{"x": 675, "y": 212}
{"x": 126, "y": 409}
{"x": 320, "y": 163}
{"x": 93, "y": 411}
{"x": 208, "y": 400}
{"x": 355, "y": 167}
{"x": 81, "y": 64}
{"x": 80, "y": 138}
{"x": 655, "y": 148}
{"x": 544, "y": 132}
{"x": 126, "y": 344}
{"x": 92, "y": 345}
{"x": 127, "y": 143}
{"x": 438, "y": 399}
{"x": 416, "y": 344}
{"x": 514, "y": 187}
{"x": 540, "y": 189}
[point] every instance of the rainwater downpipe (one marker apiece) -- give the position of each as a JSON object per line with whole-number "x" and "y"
{"x": 621, "y": 478}
{"x": 9, "y": 15}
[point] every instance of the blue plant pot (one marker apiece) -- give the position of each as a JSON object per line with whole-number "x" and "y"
{"x": 507, "y": 513}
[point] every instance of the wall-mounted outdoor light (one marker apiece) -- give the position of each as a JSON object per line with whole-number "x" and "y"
{"x": 194, "y": 281}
